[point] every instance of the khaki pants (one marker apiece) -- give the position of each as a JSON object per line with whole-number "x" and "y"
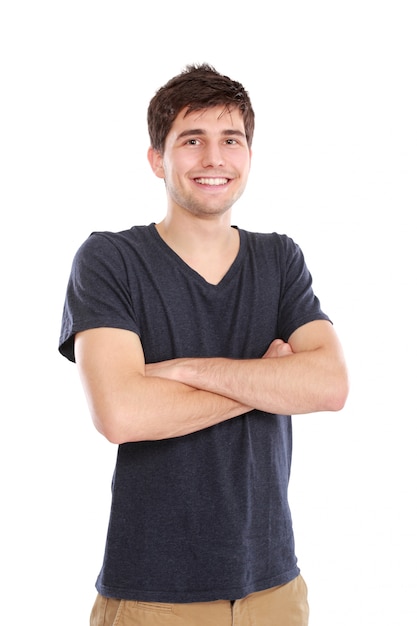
{"x": 280, "y": 606}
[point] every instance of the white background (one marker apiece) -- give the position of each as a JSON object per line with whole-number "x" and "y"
{"x": 333, "y": 85}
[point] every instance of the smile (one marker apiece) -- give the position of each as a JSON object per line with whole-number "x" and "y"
{"x": 212, "y": 181}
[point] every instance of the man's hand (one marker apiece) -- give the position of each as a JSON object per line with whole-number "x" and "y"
{"x": 277, "y": 348}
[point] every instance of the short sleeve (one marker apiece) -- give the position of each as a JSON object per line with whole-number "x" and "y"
{"x": 97, "y": 292}
{"x": 298, "y": 304}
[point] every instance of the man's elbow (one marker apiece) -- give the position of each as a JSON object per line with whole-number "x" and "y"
{"x": 108, "y": 428}
{"x": 120, "y": 425}
{"x": 118, "y": 428}
{"x": 337, "y": 394}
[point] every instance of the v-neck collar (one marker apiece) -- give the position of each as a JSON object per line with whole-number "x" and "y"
{"x": 228, "y": 276}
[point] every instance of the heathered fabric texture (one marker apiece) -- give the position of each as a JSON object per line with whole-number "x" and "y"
{"x": 204, "y": 516}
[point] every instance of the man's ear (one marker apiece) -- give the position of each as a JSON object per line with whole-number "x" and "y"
{"x": 155, "y": 159}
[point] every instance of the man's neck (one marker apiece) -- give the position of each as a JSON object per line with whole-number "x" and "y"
{"x": 208, "y": 246}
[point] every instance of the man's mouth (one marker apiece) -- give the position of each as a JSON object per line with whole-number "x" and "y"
{"x": 212, "y": 181}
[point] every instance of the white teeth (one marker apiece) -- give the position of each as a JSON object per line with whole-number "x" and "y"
{"x": 211, "y": 181}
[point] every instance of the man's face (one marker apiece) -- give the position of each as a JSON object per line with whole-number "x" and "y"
{"x": 206, "y": 161}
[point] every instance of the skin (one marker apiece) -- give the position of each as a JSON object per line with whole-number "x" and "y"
{"x": 133, "y": 401}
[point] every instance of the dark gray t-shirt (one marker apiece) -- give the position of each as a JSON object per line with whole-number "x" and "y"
{"x": 204, "y": 516}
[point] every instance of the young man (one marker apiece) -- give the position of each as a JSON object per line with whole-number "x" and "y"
{"x": 196, "y": 341}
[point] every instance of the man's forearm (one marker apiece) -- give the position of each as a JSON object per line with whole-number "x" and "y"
{"x": 300, "y": 383}
{"x": 152, "y": 408}
{"x": 180, "y": 409}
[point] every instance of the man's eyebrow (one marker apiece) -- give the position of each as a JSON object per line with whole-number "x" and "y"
{"x": 200, "y": 131}
{"x": 190, "y": 132}
{"x": 234, "y": 131}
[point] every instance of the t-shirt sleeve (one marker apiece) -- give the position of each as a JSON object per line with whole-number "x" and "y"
{"x": 299, "y": 304}
{"x": 97, "y": 292}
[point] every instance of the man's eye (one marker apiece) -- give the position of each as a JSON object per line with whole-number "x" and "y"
{"x": 192, "y": 142}
{"x": 231, "y": 142}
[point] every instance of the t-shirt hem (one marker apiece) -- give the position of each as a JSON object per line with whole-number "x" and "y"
{"x": 181, "y": 597}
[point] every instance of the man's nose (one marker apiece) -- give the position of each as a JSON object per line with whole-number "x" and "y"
{"x": 212, "y": 156}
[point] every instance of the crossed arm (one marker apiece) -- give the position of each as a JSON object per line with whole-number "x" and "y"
{"x": 133, "y": 401}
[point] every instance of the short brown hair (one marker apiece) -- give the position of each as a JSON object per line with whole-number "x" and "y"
{"x": 198, "y": 87}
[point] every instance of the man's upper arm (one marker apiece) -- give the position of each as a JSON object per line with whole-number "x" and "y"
{"x": 315, "y": 335}
{"x": 106, "y": 359}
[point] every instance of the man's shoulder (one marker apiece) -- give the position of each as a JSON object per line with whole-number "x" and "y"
{"x": 134, "y": 233}
{"x": 107, "y": 241}
{"x": 267, "y": 239}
